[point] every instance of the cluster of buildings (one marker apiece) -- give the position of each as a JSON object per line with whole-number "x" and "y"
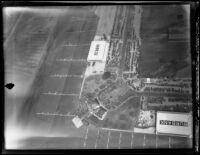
{"x": 166, "y": 122}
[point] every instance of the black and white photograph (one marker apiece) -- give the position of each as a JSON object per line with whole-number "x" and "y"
{"x": 98, "y": 76}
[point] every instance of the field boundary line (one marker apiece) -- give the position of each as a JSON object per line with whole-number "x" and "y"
{"x": 66, "y": 59}
{"x": 108, "y": 139}
{"x": 85, "y": 139}
{"x": 95, "y": 146}
{"x": 132, "y": 136}
{"x": 117, "y": 130}
{"x": 54, "y": 114}
{"x": 59, "y": 94}
{"x": 65, "y": 75}
{"x": 120, "y": 136}
{"x": 77, "y": 45}
{"x": 81, "y": 31}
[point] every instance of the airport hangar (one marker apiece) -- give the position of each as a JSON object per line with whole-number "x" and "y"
{"x": 174, "y": 123}
{"x": 97, "y": 57}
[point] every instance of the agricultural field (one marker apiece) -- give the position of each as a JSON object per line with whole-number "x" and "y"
{"x": 165, "y": 49}
{"x": 27, "y": 38}
{"x": 106, "y": 16}
{"x": 57, "y": 44}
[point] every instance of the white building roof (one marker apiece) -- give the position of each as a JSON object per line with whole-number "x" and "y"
{"x": 174, "y": 123}
{"x": 148, "y": 80}
{"x": 98, "y": 51}
{"x": 77, "y": 122}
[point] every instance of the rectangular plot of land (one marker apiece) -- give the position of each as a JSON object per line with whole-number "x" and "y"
{"x": 150, "y": 141}
{"x": 81, "y": 13}
{"x": 114, "y": 140}
{"x": 60, "y": 68}
{"x": 180, "y": 142}
{"x": 64, "y": 143}
{"x": 73, "y": 37}
{"x": 138, "y": 141}
{"x": 42, "y": 121}
{"x": 90, "y": 25}
{"x": 53, "y": 85}
{"x": 163, "y": 141}
{"x": 77, "y": 68}
{"x": 91, "y": 138}
{"x": 73, "y": 28}
{"x": 58, "y": 125}
{"x": 66, "y": 52}
{"x": 126, "y": 140}
{"x": 102, "y": 140}
{"x": 47, "y": 103}
{"x": 72, "y": 85}
{"x": 82, "y": 51}
{"x": 68, "y": 104}
{"x": 33, "y": 143}
{"x": 62, "y": 126}
{"x": 86, "y": 37}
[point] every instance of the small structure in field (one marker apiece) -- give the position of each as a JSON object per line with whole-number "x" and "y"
{"x": 77, "y": 122}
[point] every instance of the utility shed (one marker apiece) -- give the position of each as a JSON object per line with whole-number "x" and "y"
{"x": 174, "y": 123}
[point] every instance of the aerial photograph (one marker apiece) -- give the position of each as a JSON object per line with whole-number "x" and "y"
{"x": 98, "y": 77}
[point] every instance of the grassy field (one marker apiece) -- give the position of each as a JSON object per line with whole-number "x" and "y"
{"x": 124, "y": 117}
{"x": 68, "y": 68}
{"x": 161, "y": 56}
{"x": 33, "y": 35}
{"x": 27, "y": 37}
{"x": 106, "y": 139}
{"x": 106, "y": 16}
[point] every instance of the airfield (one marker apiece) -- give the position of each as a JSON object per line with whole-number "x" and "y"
{"x": 57, "y": 87}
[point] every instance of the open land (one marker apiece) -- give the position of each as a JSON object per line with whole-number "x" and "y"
{"x": 165, "y": 46}
{"x": 106, "y": 18}
{"x": 61, "y": 91}
{"x": 107, "y": 139}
